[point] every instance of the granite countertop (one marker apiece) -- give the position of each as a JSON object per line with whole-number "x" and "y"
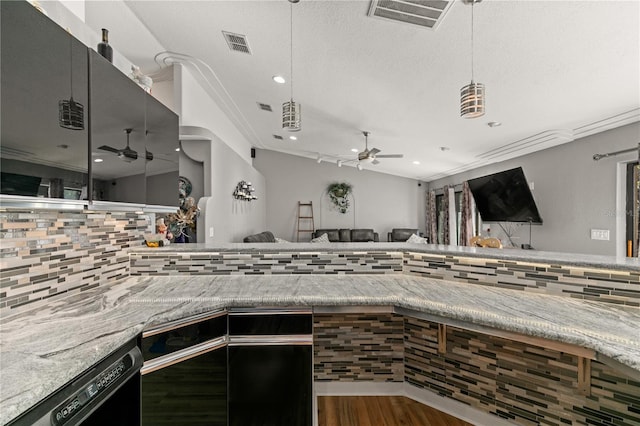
{"x": 46, "y": 348}
{"x": 534, "y": 256}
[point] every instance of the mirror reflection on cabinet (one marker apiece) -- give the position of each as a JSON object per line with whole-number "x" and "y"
{"x": 117, "y": 134}
{"x": 128, "y": 141}
{"x": 42, "y": 64}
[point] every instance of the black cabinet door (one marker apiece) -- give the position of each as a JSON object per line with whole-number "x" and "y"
{"x": 42, "y": 64}
{"x": 270, "y": 385}
{"x": 192, "y": 392}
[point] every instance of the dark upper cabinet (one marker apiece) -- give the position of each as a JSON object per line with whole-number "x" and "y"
{"x": 117, "y": 134}
{"x": 41, "y": 65}
{"x": 129, "y": 141}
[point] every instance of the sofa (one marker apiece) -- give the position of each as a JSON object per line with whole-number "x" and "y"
{"x": 263, "y": 237}
{"x": 348, "y": 235}
{"x": 401, "y": 234}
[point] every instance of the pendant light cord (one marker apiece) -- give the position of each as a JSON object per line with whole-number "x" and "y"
{"x": 472, "y": 3}
{"x": 291, "y": 43}
{"x": 71, "y": 64}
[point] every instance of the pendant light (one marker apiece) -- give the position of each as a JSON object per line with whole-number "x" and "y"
{"x": 70, "y": 112}
{"x": 472, "y": 95}
{"x": 291, "y": 109}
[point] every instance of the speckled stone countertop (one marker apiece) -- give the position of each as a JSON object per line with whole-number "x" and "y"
{"x": 44, "y": 349}
{"x": 534, "y": 256}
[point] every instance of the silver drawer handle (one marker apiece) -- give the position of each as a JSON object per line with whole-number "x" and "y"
{"x": 271, "y": 340}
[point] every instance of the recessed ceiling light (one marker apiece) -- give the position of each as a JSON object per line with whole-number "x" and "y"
{"x": 354, "y": 149}
{"x": 177, "y": 149}
{"x": 98, "y": 160}
{"x": 416, "y": 163}
{"x": 279, "y": 79}
{"x": 293, "y": 138}
{"x": 444, "y": 148}
{"x": 494, "y": 124}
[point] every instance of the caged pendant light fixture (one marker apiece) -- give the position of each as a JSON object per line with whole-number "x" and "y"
{"x": 472, "y": 97}
{"x": 70, "y": 112}
{"x": 291, "y": 109}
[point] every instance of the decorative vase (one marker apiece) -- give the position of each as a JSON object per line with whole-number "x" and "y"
{"x": 180, "y": 238}
{"x": 103, "y": 47}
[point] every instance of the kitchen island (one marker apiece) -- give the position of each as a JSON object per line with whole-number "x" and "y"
{"x": 437, "y": 318}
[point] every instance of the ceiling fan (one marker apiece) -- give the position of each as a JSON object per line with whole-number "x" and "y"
{"x": 126, "y": 154}
{"x": 371, "y": 155}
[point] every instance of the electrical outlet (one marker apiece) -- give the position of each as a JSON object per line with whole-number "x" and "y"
{"x": 211, "y": 232}
{"x": 600, "y": 234}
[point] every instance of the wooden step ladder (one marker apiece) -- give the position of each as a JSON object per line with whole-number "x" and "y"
{"x": 305, "y": 218}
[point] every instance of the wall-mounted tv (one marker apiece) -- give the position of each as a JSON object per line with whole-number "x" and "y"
{"x": 15, "y": 184}
{"x": 505, "y": 197}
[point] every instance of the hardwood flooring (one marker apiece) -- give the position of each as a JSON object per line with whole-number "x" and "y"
{"x": 380, "y": 411}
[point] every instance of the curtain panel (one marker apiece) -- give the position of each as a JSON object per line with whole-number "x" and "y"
{"x": 432, "y": 218}
{"x": 466, "y": 216}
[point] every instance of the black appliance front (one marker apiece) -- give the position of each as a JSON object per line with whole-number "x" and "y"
{"x": 107, "y": 394}
{"x": 270, "y": 368}
{"x": 184, "y": 376}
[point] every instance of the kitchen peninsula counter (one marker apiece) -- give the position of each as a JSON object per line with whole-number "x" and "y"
{"x": 507, "y": 254}
{"x": 44, "y": 349}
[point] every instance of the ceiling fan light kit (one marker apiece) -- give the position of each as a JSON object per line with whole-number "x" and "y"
{"x": 472, "y": 96}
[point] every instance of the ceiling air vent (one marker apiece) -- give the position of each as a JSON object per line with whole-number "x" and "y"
{"x": 264, "y": 107}
{"x": 425, "y": 13}
{"x": 277, "y": 137}
{"x": 237, "y": 42}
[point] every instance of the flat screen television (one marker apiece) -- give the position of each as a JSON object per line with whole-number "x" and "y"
{"x": 505, "y": 197}
{"x": 16, "y": 184}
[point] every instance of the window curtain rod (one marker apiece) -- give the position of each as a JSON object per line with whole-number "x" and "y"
{"x": 455, "y": 187}
{"x": 597, "y": 157}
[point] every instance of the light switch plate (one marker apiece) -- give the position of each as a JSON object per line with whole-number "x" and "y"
{"x": 600, "y": 234}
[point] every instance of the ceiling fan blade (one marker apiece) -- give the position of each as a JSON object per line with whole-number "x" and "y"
{"x": 390, "y": 156}
{"x": 108, "y": 148}
{"x": 374, "y": 151}
{"x": 374, "y": 162}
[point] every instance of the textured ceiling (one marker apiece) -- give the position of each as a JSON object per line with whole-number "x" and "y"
{"x": 550, "y": 68}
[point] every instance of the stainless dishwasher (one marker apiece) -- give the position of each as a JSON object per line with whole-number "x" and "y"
{"x": 184, "y": 375}
{"x": 270, "y": 367}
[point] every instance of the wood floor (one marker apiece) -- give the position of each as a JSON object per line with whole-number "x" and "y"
{"x": 380, "y": 411}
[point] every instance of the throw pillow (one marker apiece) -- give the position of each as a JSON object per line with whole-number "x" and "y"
{"x": 280, "y": 240}
{"x": 416, "y": 239}
{"x": 324, "y": 238}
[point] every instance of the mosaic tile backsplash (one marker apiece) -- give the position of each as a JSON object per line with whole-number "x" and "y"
{"x": 266, "y": 263}
{"x": 523, "y": 383}
{"x": 608, "y": 286}
{"x": 48, "y": 254}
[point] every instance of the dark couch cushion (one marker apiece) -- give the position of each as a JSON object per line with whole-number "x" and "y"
{"x": 401, "y": 234}
{"x": 263, "y": 237}
{"x": 333, "y": 234}
{"x": 363, "y": 235}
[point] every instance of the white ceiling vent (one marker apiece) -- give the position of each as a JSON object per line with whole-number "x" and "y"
{"x": 237, "y": 42}
{"x": 425, "y": 13}
{"x": 264, "y": 107}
